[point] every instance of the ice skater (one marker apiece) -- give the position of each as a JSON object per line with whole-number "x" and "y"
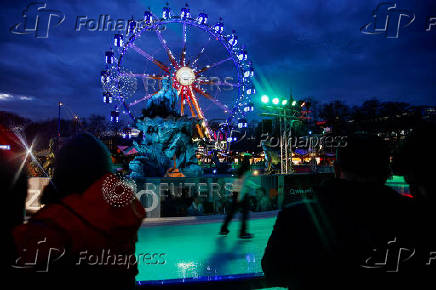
{"x": 243, "y": 187}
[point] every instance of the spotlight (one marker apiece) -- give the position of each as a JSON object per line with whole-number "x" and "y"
{"x": 264, "y": 99}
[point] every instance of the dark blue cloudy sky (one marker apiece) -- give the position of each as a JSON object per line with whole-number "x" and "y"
{"x": 314, "y": 47}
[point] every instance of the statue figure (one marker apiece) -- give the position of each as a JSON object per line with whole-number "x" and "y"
{"x": 166, "y": 135}
{"x": 272, "y": 158}
{"x": 50, "y": 160}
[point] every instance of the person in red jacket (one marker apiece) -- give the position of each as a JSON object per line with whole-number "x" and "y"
{"x": 85, "y": 234}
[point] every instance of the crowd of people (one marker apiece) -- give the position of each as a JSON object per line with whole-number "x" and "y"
{"x": 338, "y": 239}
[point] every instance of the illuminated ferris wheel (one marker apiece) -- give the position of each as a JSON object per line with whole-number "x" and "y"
{"x": 208, "y": 69}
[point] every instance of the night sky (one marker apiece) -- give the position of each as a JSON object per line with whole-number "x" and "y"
{"x": 314, "y": 47}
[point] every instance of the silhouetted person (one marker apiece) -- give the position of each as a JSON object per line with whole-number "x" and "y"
{"x": 243, "y": 188}
{"x": 328, "y": 242}
{"x": 415, "y": 160}
{"x": 13, "y": 188}
{"x": 196, "y": 207}
{"x": 84, "y": 236}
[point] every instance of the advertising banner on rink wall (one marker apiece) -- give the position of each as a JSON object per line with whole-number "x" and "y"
{"x": 34, "y": 190}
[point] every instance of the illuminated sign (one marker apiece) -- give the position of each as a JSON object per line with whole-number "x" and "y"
{"x": 5, "y": 147}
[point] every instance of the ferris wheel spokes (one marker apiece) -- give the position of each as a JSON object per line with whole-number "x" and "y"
{"x": 167, "y": 49}
{"x": 142, "y": 99}
{"x": 203, "y": 93}
{"x": 150, "y": 57}
{"x": 195, "y": 103}
{"x": 217, "y": 83}
{"x": 190, "y": 107}
{"x": 148, "y": 76}
{"x": 200, "y": 53}
{"x": 212, "y": 65}
{"x": 183, "y": 56}
{"x": 209, "y": 97}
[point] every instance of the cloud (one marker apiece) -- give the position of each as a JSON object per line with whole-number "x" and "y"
{"x": 26, "y": 98}
{"x": 12, "y": 97}
{"x": 5, "y": 97}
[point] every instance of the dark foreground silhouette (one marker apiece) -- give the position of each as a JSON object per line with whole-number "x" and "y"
{"x": 79, "y": 239}
{"x": 339, "y": 239}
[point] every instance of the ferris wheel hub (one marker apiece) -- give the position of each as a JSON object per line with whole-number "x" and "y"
{"x": 185, "y": 76}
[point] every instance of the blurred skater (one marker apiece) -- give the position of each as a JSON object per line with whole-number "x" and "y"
{"x": 243, "y": 188}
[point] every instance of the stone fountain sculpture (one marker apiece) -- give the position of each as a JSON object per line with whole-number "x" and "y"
{"x": 167, "y": 138}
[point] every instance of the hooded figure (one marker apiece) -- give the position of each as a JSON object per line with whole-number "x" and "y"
{"x": 85, "y": 235}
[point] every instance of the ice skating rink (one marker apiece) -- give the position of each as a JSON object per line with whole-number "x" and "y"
{"x": 180, "y": 248}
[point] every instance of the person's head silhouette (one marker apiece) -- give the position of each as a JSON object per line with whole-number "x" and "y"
{"x": 245, "y": 165}
{"x": 364, "y": 158}
{"x": 415, "y": 159}
{"x": 79, "y": 163}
